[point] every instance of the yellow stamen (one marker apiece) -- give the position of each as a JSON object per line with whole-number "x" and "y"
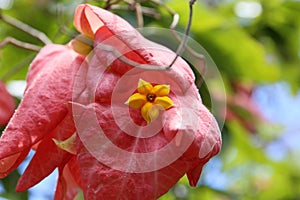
{"x": 150, "y": 100}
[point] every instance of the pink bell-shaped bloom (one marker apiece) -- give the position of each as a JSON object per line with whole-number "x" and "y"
{"x": 123, "y": 153}
{"x": 113, "y": 130}
{"x": 7, "y": 105}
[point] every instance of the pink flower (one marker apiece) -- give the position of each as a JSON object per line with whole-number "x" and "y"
{"x": 74, "y": 115}
{"x": 108, "y": 170}
{"x": 7, "y": 105}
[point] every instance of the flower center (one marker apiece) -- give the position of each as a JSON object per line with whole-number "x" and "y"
{"x": 151, "y": 97}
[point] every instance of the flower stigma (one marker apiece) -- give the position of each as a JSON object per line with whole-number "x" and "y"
{"x": 150, "y": 100}
{"x": 151, "y": 97}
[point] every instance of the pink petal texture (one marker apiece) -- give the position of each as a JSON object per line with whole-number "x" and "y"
{"x": 109, "y": 81}
{"x": 43, "y": 107}
{"x": 7, "y": 105}
{"x": 103, "y": 182}
{"x": 118, "y": 154}
{"x": 86, "y": 21}
{"x": 69, "y": 181}
{"x": 48, "y": 156}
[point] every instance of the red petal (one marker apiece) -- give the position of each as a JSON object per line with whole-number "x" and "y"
{"x": 120, "y": 35}
{"x": 47, "y": 157}
{"x": 86, "y": 21}
{"x": 68, "y": 182}
{"x": 44, "y": 104}
{"x": 7, "y": 105}
{"x": 194, "y": 173}
{"x": 102, "y": 182}
{"x": 207, "y": 143}
{"x": 10, "y": 163}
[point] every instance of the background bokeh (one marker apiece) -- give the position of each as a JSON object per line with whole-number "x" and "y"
{"x": 256, "y": 47}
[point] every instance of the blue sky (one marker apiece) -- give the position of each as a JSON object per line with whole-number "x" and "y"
{"x": 281, "y": 107}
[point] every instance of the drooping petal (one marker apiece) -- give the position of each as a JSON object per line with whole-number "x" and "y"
{"x": 10, "y": 163}
{"x": 44, "y": 106}
{"x": 48, "y": 156}
{"x": 195, "y": 119}
{"x": 206, "y": 148}
{"x": 161, "y": 90}
{"x": 7, "y": 105}
{"x": 136, "y": 101}
{"x": 195, "y": 171}
{"x": 144, "y": 87}
{"x": 165, "y": 102}
{"x": 69, "y": 183}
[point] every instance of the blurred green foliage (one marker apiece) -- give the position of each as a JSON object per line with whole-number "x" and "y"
{"x": 247, "y": 51}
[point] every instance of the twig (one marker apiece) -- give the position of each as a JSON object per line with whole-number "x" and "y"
{"x": 171, "y": 11}
{"x": 109, "y": 3}
{"x": 188, "y": 49}
{"x": 24, "y": 45}
{"x": 184, "y": 41}
{"x": 130, "y": 2}
{"x": 139, "y": 15}
{"x": 121, "y": 57}
{"x": 146, "y": 11}
{"x": 140, "y": 11}
{"x": 182, "y": 45}
{"x": 26, "y": 28}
